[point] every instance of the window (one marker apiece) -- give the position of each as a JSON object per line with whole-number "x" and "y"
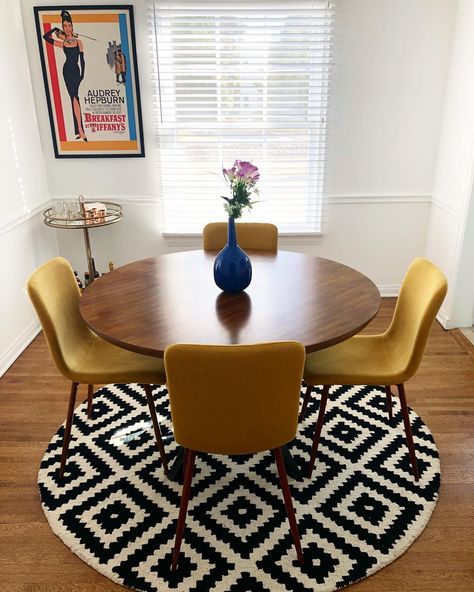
{"x": 247, "y": 80}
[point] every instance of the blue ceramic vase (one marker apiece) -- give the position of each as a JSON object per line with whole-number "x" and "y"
{"x": 232, "y": 267}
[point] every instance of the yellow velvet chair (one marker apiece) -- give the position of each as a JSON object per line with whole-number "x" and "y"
{"x": 79, "y": 354}
{"x": 250, "y": 235}
{"x": 386, "y": 359}
{"x": 234, "y": 399}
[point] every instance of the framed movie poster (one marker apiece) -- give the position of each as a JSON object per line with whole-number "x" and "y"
{"x": 89, "y": 63}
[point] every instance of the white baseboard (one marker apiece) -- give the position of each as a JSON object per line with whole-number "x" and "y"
{"x": 21, "y": 343}
{"x": 443, "y": 319}
{"x": 388, "y": 290}
{"x": 448, "y": 322}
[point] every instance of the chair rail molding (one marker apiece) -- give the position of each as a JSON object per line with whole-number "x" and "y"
{"x": 453, "y": 212}
{"x": 330, "y": 198}
{"x": 127, "y": 200}
{"x": 376, "y": 198}
{"x": 23, "y": 217}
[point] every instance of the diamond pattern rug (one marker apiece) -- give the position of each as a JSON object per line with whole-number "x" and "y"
{"x": 361, "y": 509}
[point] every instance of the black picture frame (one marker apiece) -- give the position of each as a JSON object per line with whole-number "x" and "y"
{"x": 109, "y": 110}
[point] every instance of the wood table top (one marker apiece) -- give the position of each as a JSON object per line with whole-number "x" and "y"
{"x": 147, "y": 305}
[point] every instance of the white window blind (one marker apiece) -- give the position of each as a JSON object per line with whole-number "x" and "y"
{"x": 244, "y": 80}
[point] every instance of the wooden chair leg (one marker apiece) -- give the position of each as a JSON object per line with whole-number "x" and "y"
{"x": 67, "y": 429}
{"x": 183, "y": 508}
{"x": 317, "y": 431}
{"x": 288, "y": 503}
{"x": 408, "y": 432}
{"x": 307, "y": 396}
{"x": 388, "y": 394}
{"x": 90, "y": 396}
{"x": 156, "y": 426}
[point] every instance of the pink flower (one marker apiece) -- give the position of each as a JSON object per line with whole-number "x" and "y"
{"x": 242, "y": 177}
{"x": 229, "y": 173}
{"x": 246, "y": 171}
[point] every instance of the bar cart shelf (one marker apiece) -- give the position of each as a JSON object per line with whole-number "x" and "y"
{"x": 112, "y": 215}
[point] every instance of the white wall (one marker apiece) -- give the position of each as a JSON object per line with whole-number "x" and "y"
{"x": 24, "y": 240}
{"x": 391, "y": 62}
{"x": 390, "y": 67}
{"x": 390, "y": 70}
{"x": 450, "y": 240}
{"x": 126, "y": 180}
{"x": 122, "y": 177}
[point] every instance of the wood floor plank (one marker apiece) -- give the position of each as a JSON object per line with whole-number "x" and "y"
{"x": 74, "y": 587}
{"x": 33, "y": 402}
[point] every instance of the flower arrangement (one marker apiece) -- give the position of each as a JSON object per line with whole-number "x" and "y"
{"x": 242, "y": 177}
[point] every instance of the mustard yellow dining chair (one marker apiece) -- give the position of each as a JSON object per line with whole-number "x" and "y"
{"x": 79, "y": 354}
{"x": 234, "y": 399}
{"x": 387, "y": 359}
{"x": 250, "y": 235}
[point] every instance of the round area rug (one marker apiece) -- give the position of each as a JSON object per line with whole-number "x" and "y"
{"x": 362, "y": 509}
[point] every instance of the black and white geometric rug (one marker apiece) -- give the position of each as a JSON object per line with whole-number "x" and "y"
{"x": 362, "y": 509}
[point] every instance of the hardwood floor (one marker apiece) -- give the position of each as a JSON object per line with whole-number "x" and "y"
{"x": 33, "y": 403}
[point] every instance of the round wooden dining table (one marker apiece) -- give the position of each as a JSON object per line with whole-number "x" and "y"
{"x": 149, "y": 304}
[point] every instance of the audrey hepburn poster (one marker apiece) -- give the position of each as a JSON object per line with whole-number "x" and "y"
{"x": 89, "y": 64}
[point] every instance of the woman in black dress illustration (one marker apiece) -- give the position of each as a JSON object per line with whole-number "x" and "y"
{"x": 72, "y": 73}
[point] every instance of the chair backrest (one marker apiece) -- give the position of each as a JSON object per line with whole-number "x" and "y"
{"x": 55, "y": 295}
{"x": 250, "y": 235}
{"x": 234, "y": 399}
{"x": 421, "y": 295}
